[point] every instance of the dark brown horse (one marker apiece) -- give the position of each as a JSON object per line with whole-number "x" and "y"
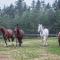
{"x": 59, "y": 38}
{"x": 19, "y": 35}
{"x": 7, "y": 34}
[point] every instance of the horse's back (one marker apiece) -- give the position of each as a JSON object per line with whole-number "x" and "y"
{"x": 46, "y": 32}
{"x": 9, "y": 32}
{"x": 22, "y": 32}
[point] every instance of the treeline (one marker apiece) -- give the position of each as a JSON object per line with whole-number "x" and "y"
{"x": 28, "y": 17}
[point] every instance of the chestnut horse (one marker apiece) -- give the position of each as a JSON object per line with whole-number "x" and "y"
{"x": 19, "y": 35}
{"x": 7, "y": 34}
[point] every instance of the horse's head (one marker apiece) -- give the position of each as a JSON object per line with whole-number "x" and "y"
{"x": 40, "y": 28}
{"x": 2, "y": 30}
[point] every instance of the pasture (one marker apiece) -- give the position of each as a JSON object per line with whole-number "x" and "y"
{"x": 31, "y": 49}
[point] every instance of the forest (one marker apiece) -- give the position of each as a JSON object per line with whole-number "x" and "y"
{"x": 28, "y": 17}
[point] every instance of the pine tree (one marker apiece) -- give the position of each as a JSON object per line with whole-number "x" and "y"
{"x": 25, "y": 7}
{"x": 58, "y": 4}
{"x": 38, "y": 5}
{"x": 19, "y": 7}
{"x": 33, "y": 4}
{"x": 48, "y": 6}
{"x": 55, "y": 5}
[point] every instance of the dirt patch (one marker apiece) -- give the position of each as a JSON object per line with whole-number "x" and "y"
{"x": 47, "y": 57}
{"x": 5, "y": 57}
{"x": 53, "y": 57}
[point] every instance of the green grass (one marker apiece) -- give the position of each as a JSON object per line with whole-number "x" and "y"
{"x": 31, "y": 48}
{"x": 53, "y": 46}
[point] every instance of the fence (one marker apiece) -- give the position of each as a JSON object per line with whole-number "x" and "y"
{"x": 33, "y": 35}
{"x": 37, "y": 35}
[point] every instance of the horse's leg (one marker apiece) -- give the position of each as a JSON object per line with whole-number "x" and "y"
{"x": 16, "y": 41}
{"x": 9, "y": 39}
{"x": 5, "y": 40}
{"x": 19, "y": 44}
{"x": 12, "y": 40}
{"x": 20, "y": 41}
{"x": 59, "y": 41}
{"x": 44, "y": 41}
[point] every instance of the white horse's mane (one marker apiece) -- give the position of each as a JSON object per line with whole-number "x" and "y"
{"x": 42, "y": 30}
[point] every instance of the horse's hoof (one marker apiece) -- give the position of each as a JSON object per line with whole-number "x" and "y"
{"x": 6, "y": 46}
{"x": 59, "y": 45}
{"x": 19, "y": 45}
{"x": 44, "y": 45}
{"x": 16, "y": 46}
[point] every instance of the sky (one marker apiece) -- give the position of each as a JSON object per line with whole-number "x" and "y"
{"x": 46, "y": 1}
{"x": 28, "y": 2}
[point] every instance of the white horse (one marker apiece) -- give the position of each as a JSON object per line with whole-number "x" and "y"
{"x": 44, "y": 33}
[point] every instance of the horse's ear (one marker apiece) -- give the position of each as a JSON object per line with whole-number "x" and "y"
{"x": 39, "y": 24}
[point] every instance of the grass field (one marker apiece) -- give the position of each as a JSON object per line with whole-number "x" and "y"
{"x": 31, "y": 49}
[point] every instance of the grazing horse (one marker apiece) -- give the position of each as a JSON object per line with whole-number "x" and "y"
{"x": 59, "y": 38}
{"x": 19, "y": 35}
{"x": 7, "y": 34}
{"x": 44, "y": 33}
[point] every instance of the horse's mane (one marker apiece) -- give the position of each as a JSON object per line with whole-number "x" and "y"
{"x": 2, "y": 29}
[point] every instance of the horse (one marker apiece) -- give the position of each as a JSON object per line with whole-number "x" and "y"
{"x": 44, "y": 33}
{"x": 7, "y": 34}
{"x": 19, "y": 33}
{"x": 59, "y": 38}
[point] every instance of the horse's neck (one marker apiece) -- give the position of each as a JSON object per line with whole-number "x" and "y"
{"x": 3, "y": 31}
{"x": 17, "y": 30}
{"x": 42, "y": 30}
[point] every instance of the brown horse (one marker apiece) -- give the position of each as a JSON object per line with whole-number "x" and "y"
{"x": 59, "y": 38}
{"x": 7, "y": 34}
{"x": 19, "y": 35}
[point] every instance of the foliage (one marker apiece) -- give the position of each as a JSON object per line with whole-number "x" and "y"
{"x": 28, "y": 17}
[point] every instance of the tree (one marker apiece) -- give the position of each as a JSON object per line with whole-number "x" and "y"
{"x": 48, "y": 6}
{"x": 38, "y": 5}
{"x": 33, "y": 4}
{"x": 0, "y": 11}
{"x": 55, "y": 5}
{"x": 58, "y": 4}
{"x": 11, "y": 11}
{"x": 43, "y": 3}
{"x": 19, "y": 7}
{"x": 25, "y": 7}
